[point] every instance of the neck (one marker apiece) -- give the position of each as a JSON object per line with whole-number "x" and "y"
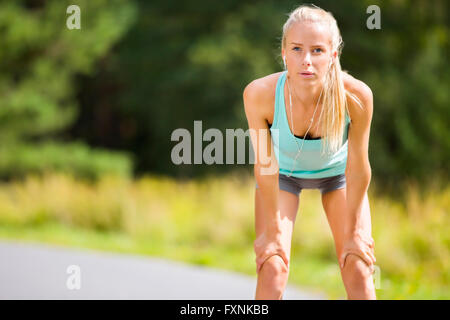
{"x": 306, "y": 93}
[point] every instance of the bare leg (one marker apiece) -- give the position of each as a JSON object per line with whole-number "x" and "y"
{"x": 273, "y": 275}
{"x": 356, "y": 274}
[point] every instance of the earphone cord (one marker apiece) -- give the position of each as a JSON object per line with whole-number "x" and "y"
{"x": 292, "y": 123}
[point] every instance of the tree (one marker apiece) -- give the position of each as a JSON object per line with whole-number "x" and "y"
{"x": 39, "y": 59}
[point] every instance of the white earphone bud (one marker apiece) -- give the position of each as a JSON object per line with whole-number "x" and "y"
{"x": 284, "y": 60}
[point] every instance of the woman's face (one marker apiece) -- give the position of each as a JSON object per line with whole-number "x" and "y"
{"x": 308, "y": 51}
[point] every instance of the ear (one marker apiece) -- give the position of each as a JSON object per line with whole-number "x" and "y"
{"x": 334, "y": 55}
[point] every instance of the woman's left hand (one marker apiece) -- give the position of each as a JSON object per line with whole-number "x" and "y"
{"x": 359, "y": 244}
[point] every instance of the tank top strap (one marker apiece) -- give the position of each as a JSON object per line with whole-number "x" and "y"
{"x": 279, "y": 99}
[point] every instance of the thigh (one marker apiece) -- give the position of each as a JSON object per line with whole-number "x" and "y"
{"x": 335, "y": 207}
{"x": 288, "y": 204}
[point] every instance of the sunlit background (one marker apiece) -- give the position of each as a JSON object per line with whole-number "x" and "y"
{"x": 86, "y": 117}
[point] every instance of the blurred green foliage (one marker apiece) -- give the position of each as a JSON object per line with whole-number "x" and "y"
{"x": 138, "y": 70}
{"x": 39, "y": 59}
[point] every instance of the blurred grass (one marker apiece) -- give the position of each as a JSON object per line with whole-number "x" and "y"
{"x": 211, "y": 222}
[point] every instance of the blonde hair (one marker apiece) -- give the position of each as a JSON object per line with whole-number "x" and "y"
{"x": 334, "y": 95}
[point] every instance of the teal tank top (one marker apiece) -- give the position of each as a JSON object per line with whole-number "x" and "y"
{"x": 310, "y": 162}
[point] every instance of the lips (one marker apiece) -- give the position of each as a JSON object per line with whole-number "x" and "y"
{"x": 307, "y": 73}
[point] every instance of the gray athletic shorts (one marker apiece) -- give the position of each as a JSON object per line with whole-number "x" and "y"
{"x": 295, "y": 185}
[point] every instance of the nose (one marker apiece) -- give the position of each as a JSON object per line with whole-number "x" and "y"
{"x": 306, "y": 60}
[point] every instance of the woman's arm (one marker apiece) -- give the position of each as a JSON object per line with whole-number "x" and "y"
{"x": 266, "y": 166}
{"x": 358, "y": 172}
{"x": 256, "y": 103}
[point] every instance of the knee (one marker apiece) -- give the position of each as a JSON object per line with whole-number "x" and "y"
{"x": 357, "y": 276}
{"x": 355, "y": 269}
{"x": 274, "y": 275}
{"x": 275, "y": 267}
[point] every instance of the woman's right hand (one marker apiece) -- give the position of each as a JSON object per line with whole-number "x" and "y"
{"x": 269, "y": 244}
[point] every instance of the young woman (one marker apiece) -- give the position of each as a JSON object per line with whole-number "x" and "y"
{"x": 317, "y": 120}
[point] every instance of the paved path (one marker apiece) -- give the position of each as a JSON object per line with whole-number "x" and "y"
{"x": 38, "y": 271}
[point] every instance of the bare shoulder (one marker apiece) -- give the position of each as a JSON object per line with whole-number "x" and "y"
{"x": 362, "y": 92}
{"x": 259, "y": 95}
{"x": 262, "y": 86}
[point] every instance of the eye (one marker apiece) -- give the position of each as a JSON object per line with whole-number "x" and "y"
{"x": 320, "y": 50}
{"x": 296, "y": 48}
